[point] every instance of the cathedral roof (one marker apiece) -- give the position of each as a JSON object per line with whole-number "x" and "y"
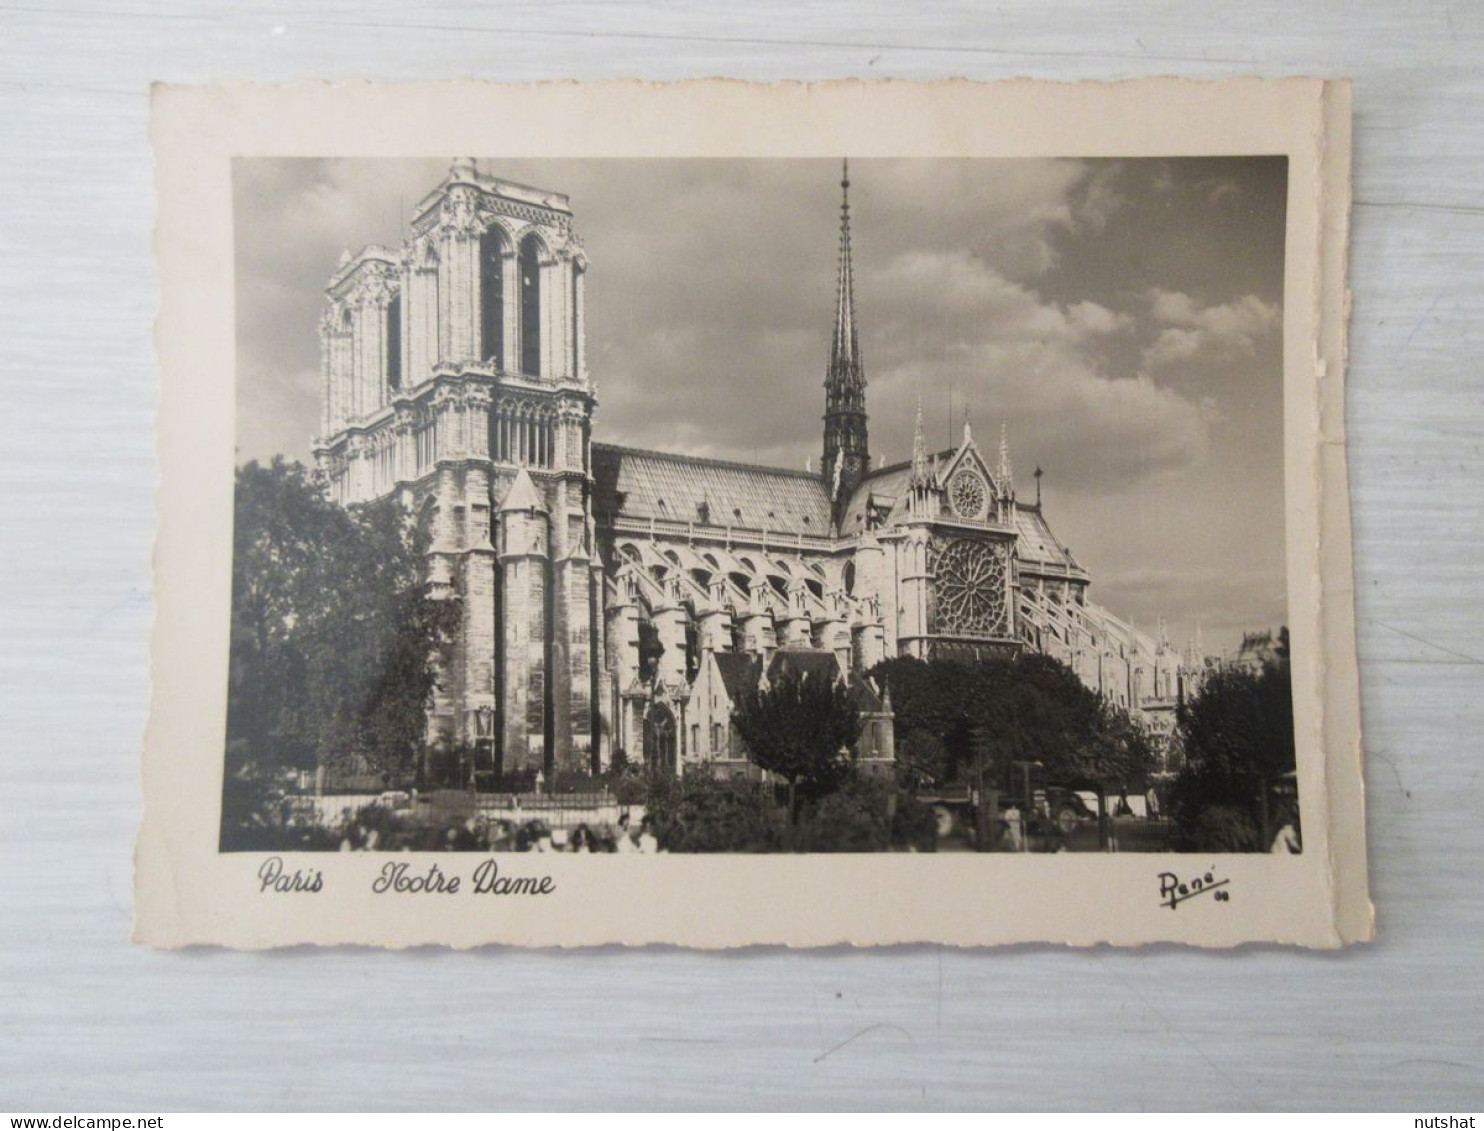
{"x": 886, "y": 485}
{"x": 638, "y": 484}
{"x": 739, "y": 672}
{"x": 804, "y": 663}
{"x": 1037, "y": 545}
{"x": 864, "y": 696}
{"x": 522, "y": 495}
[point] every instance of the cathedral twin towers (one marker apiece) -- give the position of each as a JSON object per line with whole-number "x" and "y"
{"x": 615, "y": 599}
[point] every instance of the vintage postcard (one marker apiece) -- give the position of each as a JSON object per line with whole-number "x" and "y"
{"x": 720, "y": 514}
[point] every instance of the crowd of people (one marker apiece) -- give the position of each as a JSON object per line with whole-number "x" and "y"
{"x": 377, "y": 829}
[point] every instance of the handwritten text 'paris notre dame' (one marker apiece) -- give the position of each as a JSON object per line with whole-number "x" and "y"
{"x": 401, "y": 878}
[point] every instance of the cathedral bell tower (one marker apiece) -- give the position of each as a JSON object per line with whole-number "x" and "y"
{"x": 847, "y": 455}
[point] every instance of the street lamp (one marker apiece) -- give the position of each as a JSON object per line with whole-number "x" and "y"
{"x": 484, "y": 731}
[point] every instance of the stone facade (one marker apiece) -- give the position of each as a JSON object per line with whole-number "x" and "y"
{"x": 455, "y": 379}
{"x": 616, "y": 599}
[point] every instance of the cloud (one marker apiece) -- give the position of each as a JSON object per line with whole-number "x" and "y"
{"x": 1225, "y": 602}
{"x": 1091, "y": 318}
{"x": 1226, "y": 331}
{"x": 1013, "y": 355}
{"x": 1098, "y": 199}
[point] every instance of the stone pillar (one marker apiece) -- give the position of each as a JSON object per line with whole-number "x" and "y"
{"x": 374, "y": 294}
{"x": 442, "y": 544}
{"x": 419, "y": 311}
{"x": 404, "y": 337}
{"x": 716, "y": 622}
{"x": 464, "y": 303}
{"x": 875, "y": 580}
{"x": 445, "y": 723}
{"x": 510, "y": 265}
{"x": 524, "y": 565}
{"x": 359, "y": 400}
{"x": 327, "y": 423}
{"x": 579, "y": 320}
{"x": 623, "y": 654}
{"x": 798, "y": 631}
{"x": 832, "y": 633}
{"x": 477, "y": 422}
{"x": 458, "y": 231}
{"x": 480, "y": 592}
{"x": 573, "y": 650}
{"x": 669, "y": 622}
{"x": 341, "y": 369}
{"x": 443, "y": 319}
{"x": 912, "y": 619}
{"x": 868, "y": 645}
{"x": 550, "y": 293}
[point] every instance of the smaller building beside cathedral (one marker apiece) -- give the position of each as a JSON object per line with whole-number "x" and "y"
{"x": 616, "y": 599}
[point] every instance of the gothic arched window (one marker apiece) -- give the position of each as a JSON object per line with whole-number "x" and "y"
{"x": 394, "y": 344}
{"x": 530, "y": 305}
{"x": 492, "y": 297}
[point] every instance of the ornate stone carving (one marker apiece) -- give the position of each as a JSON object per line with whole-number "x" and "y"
{"x": 968, "y": 495}
{"x": 968, "y": 594}
{"x": 475, "y": 396}
{"x": 460, "y": 214}
{"x": 374, "y": 286}
{"x": 542, "y": 216}
{"x": 420, "y": 253}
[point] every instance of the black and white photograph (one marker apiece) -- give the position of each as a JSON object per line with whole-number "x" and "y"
{"x": 811, "y": 505}
{"x": 689, "y": 556}
{"x": 867, "y": 522}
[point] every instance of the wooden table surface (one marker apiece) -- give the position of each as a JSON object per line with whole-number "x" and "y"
{"x": 88, "y": 1022}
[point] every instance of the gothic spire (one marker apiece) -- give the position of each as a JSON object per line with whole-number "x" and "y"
{"x": 845, "y": 351}
{"x": 847, "y": 451}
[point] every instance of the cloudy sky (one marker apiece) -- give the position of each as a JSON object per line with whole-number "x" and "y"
{"x": 1122, "y": 317}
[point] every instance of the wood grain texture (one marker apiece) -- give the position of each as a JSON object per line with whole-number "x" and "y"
{"x": 89, "y": 1022}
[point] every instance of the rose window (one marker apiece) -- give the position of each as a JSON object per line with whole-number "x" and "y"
{"x": 967, "y": 494}
{"x": 969, "y": 590}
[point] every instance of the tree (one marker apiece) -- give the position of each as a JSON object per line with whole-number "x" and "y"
{"x": 1237, "y": 738}
{"x": 335, "y": 639}
{"x": 1026, "y": 708}
{"x": 803, "y": 730}
{"x": 922, "y": 758}
{"x": 868, "y": 814}
{"x": 701, "y": 814}
{"x": 932, "y": 704}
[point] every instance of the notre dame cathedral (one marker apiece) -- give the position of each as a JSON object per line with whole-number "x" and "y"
{"x": 619, "y": 599}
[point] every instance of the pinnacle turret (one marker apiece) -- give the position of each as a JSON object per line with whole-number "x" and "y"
{"x": 1007, "y": 477}
{"x": 919, "y": 450}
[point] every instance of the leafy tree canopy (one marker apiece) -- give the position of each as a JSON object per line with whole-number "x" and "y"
{"x": 1026, "y": 708}
{"x": 1237, "y": 739}
{"x": 801, "y": 729}
{"x": 334, "y": 637}
{"x": 699, "y": 814}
